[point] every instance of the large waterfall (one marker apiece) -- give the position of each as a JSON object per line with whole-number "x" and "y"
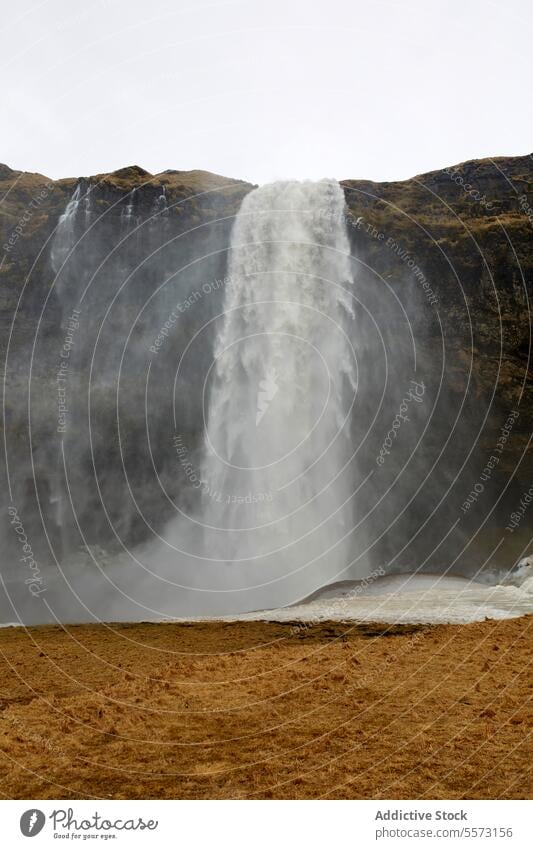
{"x": 276, "y": 473}
{"x": 277, "y": 493}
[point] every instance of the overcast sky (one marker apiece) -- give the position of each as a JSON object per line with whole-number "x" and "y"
{"x": 263, "y": 89}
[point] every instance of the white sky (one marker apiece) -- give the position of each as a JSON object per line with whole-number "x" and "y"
{"x": 263, "y": 89}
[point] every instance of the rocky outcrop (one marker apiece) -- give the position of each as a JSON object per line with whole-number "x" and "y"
{"x": 465, "y": 236}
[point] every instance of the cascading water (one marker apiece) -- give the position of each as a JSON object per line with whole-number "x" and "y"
{"x": 62, "y": 245}
{"x": 88, "y": 205}
{"x": 127, "y": 215}
{"x": 283, "y": 378}
{"x": 160, "y": 203}
{"x": 63, "y": 241}
{"x": 277, "y": 469}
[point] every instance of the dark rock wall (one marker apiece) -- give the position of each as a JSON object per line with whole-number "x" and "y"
{"x": 456, "y": 247}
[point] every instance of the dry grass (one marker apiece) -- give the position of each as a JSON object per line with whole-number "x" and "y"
{"x": 266, "y": 710}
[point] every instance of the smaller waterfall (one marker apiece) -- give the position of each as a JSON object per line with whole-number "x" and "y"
{"x": 161, "y": 203}
{"x": 88, "y": 206}
{"x": 65, "y": 261}
{"x": 127, "y": 217}
{"x": 63, "y": 241}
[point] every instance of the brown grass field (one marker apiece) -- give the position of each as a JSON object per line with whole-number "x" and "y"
{"x": 262, "y": 710}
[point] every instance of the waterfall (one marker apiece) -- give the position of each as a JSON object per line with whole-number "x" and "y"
{"x": 277, "y": 467}
{"x": 128, "y": 217}
{"x": 87, "y": 206}
{"x": 160, "y": 207}
{"x": 70, "y": 279}
{"x": 64, "y": 236}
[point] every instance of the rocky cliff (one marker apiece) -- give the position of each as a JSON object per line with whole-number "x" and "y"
{"x": 451, "y": 248}
{"x": 465, "y": 234}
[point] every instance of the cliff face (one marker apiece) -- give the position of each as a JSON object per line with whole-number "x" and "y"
{"x": 469, "y": 229}
{"x": 452, "y": 250}
{"x": 463, "y": 237}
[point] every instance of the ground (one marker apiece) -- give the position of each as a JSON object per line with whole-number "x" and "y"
{"x": 263, "y": 710}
